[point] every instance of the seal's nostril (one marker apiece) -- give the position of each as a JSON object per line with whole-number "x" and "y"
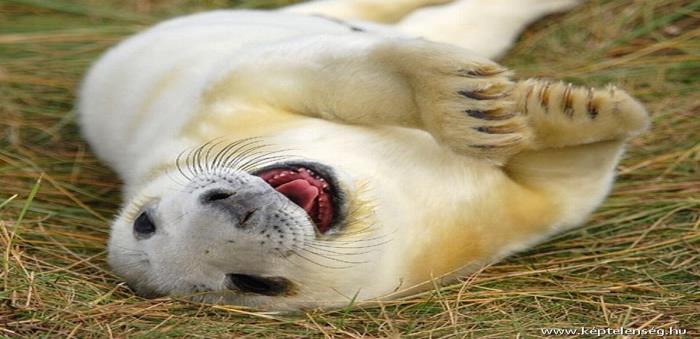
{"x": 216, "y": 195}
{"x": 246, "y": 217}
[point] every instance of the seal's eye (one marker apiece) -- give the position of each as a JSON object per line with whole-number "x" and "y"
{"x": 144, "y": 226}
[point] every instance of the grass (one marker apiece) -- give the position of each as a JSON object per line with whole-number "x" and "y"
{"x": 635, "y": 263}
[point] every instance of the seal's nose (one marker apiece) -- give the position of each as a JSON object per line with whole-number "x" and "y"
{"x": 247, "y": 208}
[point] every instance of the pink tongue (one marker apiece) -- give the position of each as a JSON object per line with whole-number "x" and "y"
{"x": 301, "y": 192}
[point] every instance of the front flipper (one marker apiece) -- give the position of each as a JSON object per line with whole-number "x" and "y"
{"x": 470, "y": 108}
{"x": 471, "y": 105}
{"x": 480, "y": 113}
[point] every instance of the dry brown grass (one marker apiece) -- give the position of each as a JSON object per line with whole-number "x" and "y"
{"x": 634, "y": 264}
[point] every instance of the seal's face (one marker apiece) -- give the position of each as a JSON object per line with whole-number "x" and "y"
{"x": 291, "y": 234}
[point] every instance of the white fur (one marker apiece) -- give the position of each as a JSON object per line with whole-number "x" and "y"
{"x": 378, "y": 106}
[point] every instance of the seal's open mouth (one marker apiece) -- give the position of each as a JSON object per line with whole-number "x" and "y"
{"x": 307, "y": 185}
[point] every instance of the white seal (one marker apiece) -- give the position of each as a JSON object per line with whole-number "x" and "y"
{"x": 285, "y": 160}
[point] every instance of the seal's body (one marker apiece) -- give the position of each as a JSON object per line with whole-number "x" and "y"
{"x": 284, "y": 160}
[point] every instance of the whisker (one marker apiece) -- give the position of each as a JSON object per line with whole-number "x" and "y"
{"x": 209, "y": 150}
{"x": 175, "y": 179}
{"x": 198, "y": 156}
{"x": 379, "y": 237}
{"x": 243, "y": 155}
{"x": 334, "y": 252}
{"x": 234, "y": 153}
{"x": 323, "y": 244}
{"x": 283, "y": 256}
{"x": 267, "y": 161}
{"x": 319, "y": 264}
{"x": 256, "y": 158}
{"x": 130, "y": 251}
{"x": 178, "y": 165}
{"x": 329, "y": 258}
{"x": 224, "y": 151}
{"x": 190, "y": 162}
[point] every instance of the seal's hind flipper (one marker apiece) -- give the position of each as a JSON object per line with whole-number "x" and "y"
{"x": 488, "y": 27}
{"x": 384, "y": 11}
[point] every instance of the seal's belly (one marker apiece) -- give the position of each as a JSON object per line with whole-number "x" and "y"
{"x": 146, "y": 88}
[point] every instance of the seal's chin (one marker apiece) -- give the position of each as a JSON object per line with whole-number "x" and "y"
{"x": 311, "y": 186}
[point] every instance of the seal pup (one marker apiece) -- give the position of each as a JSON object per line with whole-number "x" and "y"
{"x": 305, "y": 158}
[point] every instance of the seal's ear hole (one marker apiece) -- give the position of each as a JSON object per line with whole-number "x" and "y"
{"x": 144, "y": 227}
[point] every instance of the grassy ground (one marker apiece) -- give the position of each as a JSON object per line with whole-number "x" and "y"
{"x": 634, "y": 264}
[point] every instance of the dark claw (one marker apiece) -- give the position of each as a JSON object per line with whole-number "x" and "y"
{"x": 568, "y": 102}
{"x": 482, "y": 72}
{"x": 487, "y": 147}
{"x": 590, "y": 107}
{"x": 480, "y": 96}
{"x": 495, "y": 129}
{"x": 544, "y": 97}
{"x": 477, "y": 114}
{"x": 592, "y": 111}
{"x": 487, "y": 115}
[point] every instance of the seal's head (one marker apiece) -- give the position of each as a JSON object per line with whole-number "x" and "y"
{"x": 234, "y": 224}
